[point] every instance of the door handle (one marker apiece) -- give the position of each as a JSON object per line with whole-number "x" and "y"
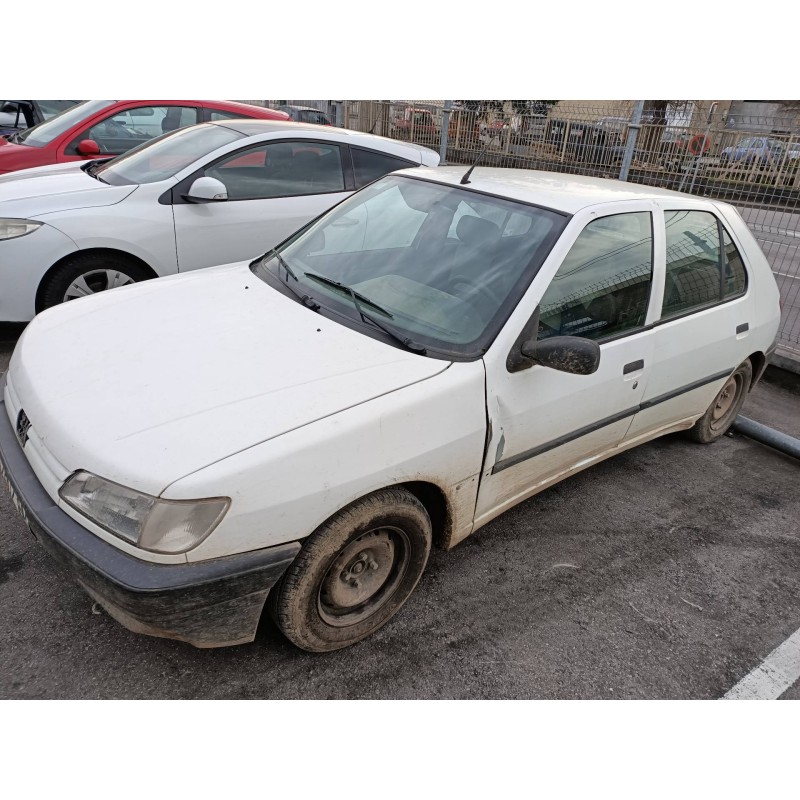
{"x": 745, "y": 326}
{"x": 633, "y": 366}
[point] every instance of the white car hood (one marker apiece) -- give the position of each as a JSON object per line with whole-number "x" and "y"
{"x": 58, "y": 187}
{"x": 146, "y": 384}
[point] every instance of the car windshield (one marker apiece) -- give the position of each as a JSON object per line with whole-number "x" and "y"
{"x": 159, "y": 159}
{"x": 49, "y": 108}
{"x": 44, "y": 133}
{"x": 439, "y": 265}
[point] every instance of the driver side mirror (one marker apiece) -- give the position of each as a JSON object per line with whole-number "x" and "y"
{"x": 571, "y": 354}
{"x": 88, "y": 147}
{"x": 206, "y": 190}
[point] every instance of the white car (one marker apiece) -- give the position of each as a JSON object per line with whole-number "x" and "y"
{"x": 301, "y": 429}
{"x": 196, "y": 197}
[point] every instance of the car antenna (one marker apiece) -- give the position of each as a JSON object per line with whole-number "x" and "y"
{"x": 374, "y": 125}
{"x": 466, "y": 179}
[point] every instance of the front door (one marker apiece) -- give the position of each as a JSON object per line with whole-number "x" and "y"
{"x": 273, "y": 190}
{"x": 546, "y": 423}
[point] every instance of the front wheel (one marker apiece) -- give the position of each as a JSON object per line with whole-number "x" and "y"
{"x": 724, "y": 407}
{"x": 354, "y": 573}
{"x": 88, "y": 274}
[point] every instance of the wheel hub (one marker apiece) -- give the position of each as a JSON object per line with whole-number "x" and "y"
{"x": 363, "y": 577}
{"x": 359, "y": 571}
{"x": 97, "y": 280}
{"x": 725, "y": 400}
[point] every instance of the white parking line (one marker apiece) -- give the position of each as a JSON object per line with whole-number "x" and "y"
{"x": 776, "y": 673}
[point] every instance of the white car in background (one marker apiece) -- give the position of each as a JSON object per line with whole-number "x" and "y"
{"x": 193, "y": 198}
{"x": 300, "y": 429}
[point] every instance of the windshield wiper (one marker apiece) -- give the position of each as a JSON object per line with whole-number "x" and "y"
{"x": 409, "y": 344}
{"x": 305, "y": 299}
{"x": 352, "y": 292}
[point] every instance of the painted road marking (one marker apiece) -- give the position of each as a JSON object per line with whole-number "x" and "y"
{"x": 776, "y": 673}
{"x": 786, "y": 275}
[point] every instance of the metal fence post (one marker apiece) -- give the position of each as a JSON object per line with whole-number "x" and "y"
{"x": 443, "y": 139}
{"x": 706, "y": 140}
{"x": 633, "y": 132}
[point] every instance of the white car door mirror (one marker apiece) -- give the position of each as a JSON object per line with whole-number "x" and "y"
{"x": 206, "y": 190}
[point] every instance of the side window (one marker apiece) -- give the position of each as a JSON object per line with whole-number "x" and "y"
{"x": 369, "y": 165}
{"x": 281, "y": 169}
{"x": 214, "y": 115}
{"x": 693, "y": 261}
{"x": 735, "y": 282}
{"x": 121, "y": 132}
{"x": 603, "y": 285}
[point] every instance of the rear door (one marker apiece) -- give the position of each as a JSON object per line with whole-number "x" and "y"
{"x": 274, "y": 188}
{"x": 701, "y": 331}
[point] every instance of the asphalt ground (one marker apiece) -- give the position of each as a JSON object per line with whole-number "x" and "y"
{"x": 669, "y": 571}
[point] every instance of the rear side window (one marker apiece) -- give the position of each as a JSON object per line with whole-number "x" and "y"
{"x": 369, "y": 165}
{"x": 735, "y": 280}
{"x": 699, "y": 271}
{"x": 214, "y": 115}
{"x": 602, "y": 288}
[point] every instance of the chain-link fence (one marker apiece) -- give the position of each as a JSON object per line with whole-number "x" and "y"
{"x": 745, "y": 153}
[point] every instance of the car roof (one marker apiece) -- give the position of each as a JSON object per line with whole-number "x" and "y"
{"x": 302, "y": 108}
{"x": 257, "y": 127}
{"x": 559, "y": 191}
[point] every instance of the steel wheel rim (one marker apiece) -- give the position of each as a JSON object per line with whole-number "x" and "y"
{"x": 725, "y": 402}
{"x": 97, "y": 280}
{"x": 364, "y": 576}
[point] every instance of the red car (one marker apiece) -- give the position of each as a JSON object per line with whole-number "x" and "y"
{"x": 96, "y": 128}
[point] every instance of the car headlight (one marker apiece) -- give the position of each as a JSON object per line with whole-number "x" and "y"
{"x": 162, "y": 526}
{"x": 12, "y": 228}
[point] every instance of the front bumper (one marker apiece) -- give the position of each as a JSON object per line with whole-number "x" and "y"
{"x": 208, "y": 604}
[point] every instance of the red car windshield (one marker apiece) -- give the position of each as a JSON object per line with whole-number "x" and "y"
{"x": 44, "y": 133}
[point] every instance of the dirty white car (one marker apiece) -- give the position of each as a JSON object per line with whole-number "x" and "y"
{"x": 298, "y": 431}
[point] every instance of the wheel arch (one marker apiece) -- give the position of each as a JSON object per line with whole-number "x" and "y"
{"x": 759, "y": 362}
{"x": 438, "y": 507}
{"x": 77, "y": 256}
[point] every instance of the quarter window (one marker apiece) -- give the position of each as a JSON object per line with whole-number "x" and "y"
{"x": 735, "y": 281}
{"x": 699, "y": 272}
{"x": 369, "y": 165}
{"x": 281, "y": 169}
{"x": 603, "y": 285}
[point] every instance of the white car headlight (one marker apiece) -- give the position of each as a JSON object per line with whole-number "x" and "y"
{"x": 162, "y": 526}
{"x": 12, "y": 228}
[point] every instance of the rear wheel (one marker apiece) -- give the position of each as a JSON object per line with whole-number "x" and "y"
{"x": 724, "y": 407}
{"x": 354, "y": 573}
{"x": 88, "y": 274}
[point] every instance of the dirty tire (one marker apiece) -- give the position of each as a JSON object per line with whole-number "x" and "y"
{"x": 94, "y": 271}
{"x": 353, "y": 573}
{"x": 724, "y": 407}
